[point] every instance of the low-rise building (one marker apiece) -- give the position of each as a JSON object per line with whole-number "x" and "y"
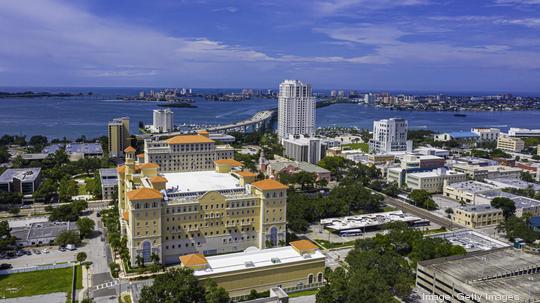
{"x": 433, "y": 181}
{"x": 224, "y": 138}
{"x": 510, "y": 144}
{"x": 422, "y": 162}
{"x": 524, "y": 205}
{"x": 380, "y": 158}
{"x": 41, "y": 233}
{"x": 513, "y": 183}
{"x": 476, "y": 216}
{"x": 373, "y": 221}
{"x": 461, "y": 136}
{"x": 493, "y": 276}
{"x": 480, "y": 173}
{"x": 466, "y": 191}
{"x": 109, "y": 183}
{"x": 432, "y": 151}
{"x": 470, "y": 240}
{"x": 486, "y": 133}
{"x": 275, "y": 167}
{"x": 302, "y": 148}
{"x": 296, "y": 267}
{"x": 20, "y": 180}
{"x": 523, "y": 132}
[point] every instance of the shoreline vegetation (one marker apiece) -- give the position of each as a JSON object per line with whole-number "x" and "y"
{"x": 457, "y": 104}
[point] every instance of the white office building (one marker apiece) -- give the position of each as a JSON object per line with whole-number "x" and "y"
{"x": 296, "y": 109}
{"x": 523, "y": 132}
{"x": 163, "y": 121}
{"x": 302, "y": 149}
{"x": 389, "y": 135}
{"x": 486, "y": 134}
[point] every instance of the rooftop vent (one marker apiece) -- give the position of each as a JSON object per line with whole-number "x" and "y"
{"x": 249, "y": 264}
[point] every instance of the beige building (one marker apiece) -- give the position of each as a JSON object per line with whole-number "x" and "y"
{"x": 293, "y": 268}
{"x": 185, "y": 153}
{"x": 476, "y": 216}
{"x": 433, "y": 181}
{"x": 479, "y": 173}
{"x": 209, "y": 212}
{"x": 466, "y": 191}
{"x": 510, "y": 144}
{"x": 118, "y": 132}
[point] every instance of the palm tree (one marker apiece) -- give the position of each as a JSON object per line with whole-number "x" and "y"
{"x": 139, "y": 260}
{"x": 155, "y": 258}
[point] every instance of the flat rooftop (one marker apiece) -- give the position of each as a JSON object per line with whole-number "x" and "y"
{"x": 519, "y": 201}
{"x": 481, "y": 208}
{"x": 200, "y": 181}
{"x": 471, "y": 240}
{"x": 39, "y": 230}
{"x": 84, "y": 148}
{"x": 513, "y": 182}
{"x": 434, "y": 173}
{"x": 367, "y": 220}
{"x": 482, "y": 272}
{"x": 471, "y": 186}
{"x": 108, "y": 176}
{"x": 254, "y": 258}
{"x": 25, "y": 174}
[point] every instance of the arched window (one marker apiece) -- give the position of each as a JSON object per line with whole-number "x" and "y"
{"x": 319, "y": 277}
{"x": 146, "y": 251}
{"x": 274, "y": 236}
{"x": 310, "y": 279}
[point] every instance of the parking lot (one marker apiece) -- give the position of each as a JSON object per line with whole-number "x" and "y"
{"x": 46, "y": 255}
{"x": 444, "y": 203}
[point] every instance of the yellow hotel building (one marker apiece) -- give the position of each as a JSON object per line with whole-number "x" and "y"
{"x": 208, "y": 212}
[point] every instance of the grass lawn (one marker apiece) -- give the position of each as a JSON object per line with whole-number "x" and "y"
{"x": 330, "y": 245}
{"x": 362, "y": 146}
{"x": 389, "y": 208}
{"x": 38, "y": 282}
{"x": 303, "y": 293}
{"x": 82, "y": 189}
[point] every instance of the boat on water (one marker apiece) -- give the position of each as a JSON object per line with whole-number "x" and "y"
{"x": 460, "y": 115}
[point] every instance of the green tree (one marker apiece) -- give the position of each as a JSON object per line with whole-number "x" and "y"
{"x": 515, "y": 227}
{"x": 215, "y": 294}
{"x": 67, "y": 237}
{"x": 506, "y": 205}
{"x": 176, "y": 285}
{"x": 526, "y": 176}
{"x": 7, "y": 241}
{"x": 81, "y": 256}
{"x": 67, "y": 188}
{"x": 46, "y": 190}
{"x": 86, "y": 227}
{"x": 422, "y": 198}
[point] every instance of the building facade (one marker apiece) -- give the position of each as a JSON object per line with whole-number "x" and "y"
{"x": 303, "y": 149}
{"x": 118, "y": 132}
{"x": 476, "y": 216}
{"x": 389, "y": 135}
{"x": 511, "y": 144}
{"x": 205, "y": 212}
{"x": 296, "y": 109}
{"x": 163, "y": 121}
{"x": 185, "y": 153}
{"x": 433, "y": 181}
{"x": 296, "y": 267}
{"x": 109, "y": 183}
{"x": 486, "y": 134}
{"x": 20, "y": 180}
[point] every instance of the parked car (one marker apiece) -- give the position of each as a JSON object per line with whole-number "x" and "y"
{"x": 5, "y": 266}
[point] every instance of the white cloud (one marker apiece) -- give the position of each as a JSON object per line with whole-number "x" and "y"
{"x": 329, "y": 7}
{"x": 529, "y": 22}
{"x": 517, "y": 2}
{"x": 390, "y": 47}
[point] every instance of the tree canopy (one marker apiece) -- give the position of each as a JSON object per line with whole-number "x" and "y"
{"x": 179, "y": 285}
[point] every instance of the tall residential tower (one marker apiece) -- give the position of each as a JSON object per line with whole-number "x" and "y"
{"x": 296, "y": 114}
{"x": 118, "y": 131}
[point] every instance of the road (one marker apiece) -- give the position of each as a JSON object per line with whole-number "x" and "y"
{"x": 422, "y": 213}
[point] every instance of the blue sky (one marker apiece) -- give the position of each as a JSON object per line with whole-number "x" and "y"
{"x": 431, "y": 45}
